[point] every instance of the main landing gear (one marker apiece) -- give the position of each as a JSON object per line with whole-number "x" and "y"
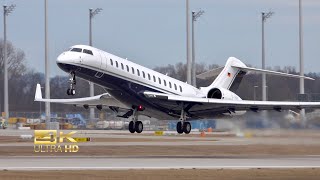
{"x": 72, "y": 81}
{"x": 135, "y": 125}
{"x": 183, "y": 126}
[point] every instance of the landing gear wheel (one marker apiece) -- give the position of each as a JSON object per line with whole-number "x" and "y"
{"x": 73, "y": 92}
{"x": 179, "y": 127}
{"x": 138, "y": 126}
{"x": 131, "y": 127}
{"x": 186, "y": 127}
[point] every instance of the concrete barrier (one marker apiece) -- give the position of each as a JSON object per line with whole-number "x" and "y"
{"x": 26, "y": 136}
{"x": 24, "y": 128}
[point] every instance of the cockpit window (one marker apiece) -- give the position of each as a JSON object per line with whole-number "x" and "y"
{"x": 76, "y": 50}
{"x": 87, "y": 51}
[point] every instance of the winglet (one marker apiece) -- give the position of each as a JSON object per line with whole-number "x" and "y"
{"x": 38, "y": 95}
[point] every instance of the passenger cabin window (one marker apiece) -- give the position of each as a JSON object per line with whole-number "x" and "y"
{"x": 132, "y": 70}
{"x": 170, "y": 85}
{"x": 149, "y": 77}
{"x": 138, "y": 72}
{"x": 87, "y": 51}
{"x": 143, "y": 74}
{"x": 127, "y": 68}
{"x": 122, "y": 66}
{"x": 111, "y": 62}
{"x": 154, "y": 78}
{"x": 175, "y": 86}
{"x": 76, "y": 49}
{"x": 116, "y": 63}
{"x": 159, "y": 80}
{"x": 180, "y": 88}
{"x": 164, "y": 82}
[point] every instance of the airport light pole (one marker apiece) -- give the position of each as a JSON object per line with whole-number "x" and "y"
{"x": 47, "y": 65}
{"x": 264, "y": 16}
{"x": 254, "y": 92}
{"x": 301, "y": 60}
{"x": 92, "y": 13}
{"x": 195, "y": 16}
{"x": 188, "y": 43}
{"x": 6, "y": 11}
{"x": 1, "y": 106}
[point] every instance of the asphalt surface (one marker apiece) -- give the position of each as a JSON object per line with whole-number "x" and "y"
{"x": 194, "y": 140}
{"x": 123, "y": 163}
{"x": 164, "y": 162}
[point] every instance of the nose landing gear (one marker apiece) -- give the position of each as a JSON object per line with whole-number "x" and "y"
{"x": 72, "y": 81}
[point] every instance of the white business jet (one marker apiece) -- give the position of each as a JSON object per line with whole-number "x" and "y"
{"x": 142, "y": 91}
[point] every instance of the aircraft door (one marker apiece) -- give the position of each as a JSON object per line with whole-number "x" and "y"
{"x": 101, "y": 59}
{"x": 93, "y": 60}
{"x": 99, "y": 74}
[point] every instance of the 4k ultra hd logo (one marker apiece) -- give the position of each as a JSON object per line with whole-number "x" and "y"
{"x": 48, "y": 141}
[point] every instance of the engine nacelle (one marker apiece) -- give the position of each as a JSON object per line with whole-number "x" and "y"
{"x": 221, "y": 93}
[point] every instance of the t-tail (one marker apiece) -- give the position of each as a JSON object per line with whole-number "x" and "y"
{"x": 230, "y": 76}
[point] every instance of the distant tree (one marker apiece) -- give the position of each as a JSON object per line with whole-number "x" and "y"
{"x": 16, "y": 59}
{"x": 16, "y": 68}
{"x": 179, "y": 71}
{"x": 168, "y": 70}
{"x": 22, "y": 90}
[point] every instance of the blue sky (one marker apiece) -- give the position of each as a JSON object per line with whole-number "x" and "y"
{"x": 152, "y": 32}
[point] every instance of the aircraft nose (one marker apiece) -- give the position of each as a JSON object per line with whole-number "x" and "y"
{"x": 64, "y": 58}
{"x": 61, "y": 58}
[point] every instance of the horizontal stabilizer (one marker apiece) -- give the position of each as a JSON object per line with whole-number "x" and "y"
{"x": 102, "y": 99}
{"x": 271, "y": 72}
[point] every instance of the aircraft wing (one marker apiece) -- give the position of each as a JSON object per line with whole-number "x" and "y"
{"x": 103, "y": 99}
{"x": 207, "y": 104}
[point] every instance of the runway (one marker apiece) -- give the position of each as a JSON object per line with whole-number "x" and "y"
{"x": 194, "y": 139}
{"x": 125, "y": 163}
{"x": 119, "y": 150}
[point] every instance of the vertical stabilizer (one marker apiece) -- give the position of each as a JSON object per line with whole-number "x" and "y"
{"x": 228, "y": 75}
{"x": 38, "y": 95}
